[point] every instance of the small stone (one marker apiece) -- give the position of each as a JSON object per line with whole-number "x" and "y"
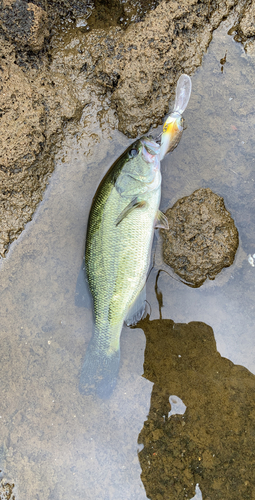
{"x": 202, "y": 238}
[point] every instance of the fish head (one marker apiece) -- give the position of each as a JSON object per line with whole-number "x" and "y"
{"x": 150, "y": 151}
{"x": 139, "y": 168}
{"x": 143, "y": 159}
{"x": 172, "y": 132}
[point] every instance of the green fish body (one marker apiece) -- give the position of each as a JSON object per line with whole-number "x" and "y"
{"x": 121, "y": 224}
{"x": 118, "y": 249}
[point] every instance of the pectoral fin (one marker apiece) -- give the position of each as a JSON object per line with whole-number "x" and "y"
{"x": 161, "y": 221}
{"x": 135, "y": 203}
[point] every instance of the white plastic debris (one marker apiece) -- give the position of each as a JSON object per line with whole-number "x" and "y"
{"x": 177, "y": 406}
{"x": 251, "y": 260}
{"x": 198, "y": 493}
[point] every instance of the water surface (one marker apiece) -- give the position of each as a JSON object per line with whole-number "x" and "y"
{"x": 57, "y": 444}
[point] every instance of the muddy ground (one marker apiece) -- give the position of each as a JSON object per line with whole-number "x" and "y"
{"x": 182, "y": 450}
{"x": 56, "y": 55}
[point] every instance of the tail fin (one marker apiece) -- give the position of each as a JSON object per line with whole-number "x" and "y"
{"x": 99, "y": 371}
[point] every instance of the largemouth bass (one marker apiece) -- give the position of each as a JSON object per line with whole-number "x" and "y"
{"x": 123, "y": 215}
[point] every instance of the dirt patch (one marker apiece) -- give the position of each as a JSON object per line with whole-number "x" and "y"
{"x": 133, "y": 64}
{"x": 202, "y": 238}
{"x": 212, "y": 442}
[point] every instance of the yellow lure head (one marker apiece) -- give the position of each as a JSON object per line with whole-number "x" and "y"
{"x": 173, "y": 127}
{"x": 172, "y": 132}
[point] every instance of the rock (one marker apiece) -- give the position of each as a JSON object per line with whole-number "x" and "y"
{"x": 149, "y": 57}
{"x": 133, "y": 69}
{"x": 140, "y": 66}
{"x": 247, "y": 23}
{"x": 24, "y": 23}
{"x": 202, "y": 238}
{"x": 33, "y": 108}
{"x": 244, "y": 29}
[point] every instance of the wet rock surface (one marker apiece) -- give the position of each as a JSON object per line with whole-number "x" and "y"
{"x": 244, "y": 28}
{"x": 149, "y": 58}
{"x": 212, "y": 442}
{"x": 34, "y": 106}
{"x": 24, "y": 23}
{"x": 202, "y": 238}
{"x": 247, "y": 23}
{"x": 56, "y": 56}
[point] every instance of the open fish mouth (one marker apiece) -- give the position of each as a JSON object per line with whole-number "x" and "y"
{"x": 150, "y": 149}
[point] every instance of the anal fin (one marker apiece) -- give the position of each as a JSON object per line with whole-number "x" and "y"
{"x": 161, "y": 221}
{"x": 137, "y": 310}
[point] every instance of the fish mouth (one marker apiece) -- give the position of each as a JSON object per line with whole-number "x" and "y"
{"x": 151, "y": 146}
{"x": 150, "y": 149}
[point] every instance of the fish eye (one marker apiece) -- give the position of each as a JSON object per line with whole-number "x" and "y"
{"x": 132, "y": 153}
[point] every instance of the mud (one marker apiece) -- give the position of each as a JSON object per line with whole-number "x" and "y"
{"x": 56, "y": 56}
{"x": 202, "y": 238}
{"x": 212, "y": 443}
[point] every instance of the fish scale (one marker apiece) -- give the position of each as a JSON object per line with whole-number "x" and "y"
{"x": 124, "y": 252}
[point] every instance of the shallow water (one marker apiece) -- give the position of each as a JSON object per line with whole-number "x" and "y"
{"x": 58, "y": 444}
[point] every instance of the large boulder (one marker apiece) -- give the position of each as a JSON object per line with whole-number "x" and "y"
{"x": 202, "y": 238}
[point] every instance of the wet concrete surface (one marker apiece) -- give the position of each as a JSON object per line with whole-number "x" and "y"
{"x": 57, "y": 444}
